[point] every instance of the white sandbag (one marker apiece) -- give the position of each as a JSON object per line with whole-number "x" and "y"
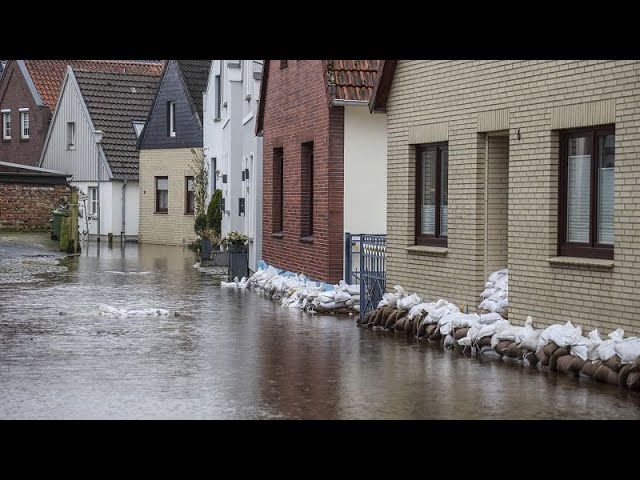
{"x": 327, "y": 305}
{"x": 628, "y": 349}
{"x": 327, "y": 296}
{"x": 354, "y": 289}
{"x": 383, "y": 303}
{"x": 498, "y": 274}
{"x": 407, "y": 302}
{"x": 489, "y": 318}
{"x": 487, "y": 292}
{"x": 356, "y": 307}
{"x": 417, "y": 310}
{"x": 448, "y": 341}
{"x": 342, "y": 296}
{"x": 592, "y": 348}
{"x": 607, "y": 349}
{"x": 530, "y": 341}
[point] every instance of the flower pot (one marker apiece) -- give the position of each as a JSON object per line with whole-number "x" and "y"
{"x": 237, "y": 248}
{"x": 205, "y": 252}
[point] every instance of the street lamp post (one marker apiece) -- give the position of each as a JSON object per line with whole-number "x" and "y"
{"x": 98, "y": 136}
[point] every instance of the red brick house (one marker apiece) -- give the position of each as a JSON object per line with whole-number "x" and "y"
{"x": 324, "y": 162}
{"x": 29, "y": 92}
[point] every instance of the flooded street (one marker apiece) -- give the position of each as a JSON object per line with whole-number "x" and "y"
{"x": 232, "y": 354}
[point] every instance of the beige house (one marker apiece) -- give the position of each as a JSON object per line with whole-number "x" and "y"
{"x": 532, "y": 165}
{"x": 169, "y": 144}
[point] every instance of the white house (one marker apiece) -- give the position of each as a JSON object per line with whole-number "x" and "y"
{"x": 117, "y": 105}
{"x": 231, "y": 148}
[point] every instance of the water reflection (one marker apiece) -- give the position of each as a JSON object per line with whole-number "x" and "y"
{"x": 234, "y": 354}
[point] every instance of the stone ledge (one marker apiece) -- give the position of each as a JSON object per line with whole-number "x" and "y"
{"x": 427, "y": 250}
{"x": 580, "y": 262}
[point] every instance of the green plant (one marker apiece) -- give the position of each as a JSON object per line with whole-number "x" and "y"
{"x": 214, "y": 214}
{"x": 235, "y": 239}
{"x": 200, "y": 223}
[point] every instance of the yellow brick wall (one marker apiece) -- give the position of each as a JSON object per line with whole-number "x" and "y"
{"x": 174, "y": 227}
{"x": 535, "y": 98}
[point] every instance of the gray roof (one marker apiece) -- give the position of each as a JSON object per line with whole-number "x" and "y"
{"x": 115, "y": 101}
{"x": 195, "y": 74}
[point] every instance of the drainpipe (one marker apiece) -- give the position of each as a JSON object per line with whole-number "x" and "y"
{"x": 124, "y": 186}
{"x": 486, "y": 204}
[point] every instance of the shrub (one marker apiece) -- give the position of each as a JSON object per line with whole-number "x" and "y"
{"x": 214, "y": 214}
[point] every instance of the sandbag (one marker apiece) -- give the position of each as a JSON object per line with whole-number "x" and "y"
{"x": 589, "y": 368}
{"x": 377, "y": 318}
{"x": 408, "y": 326}
{"x": 530, "y": 342}
{"x": 622, "y": 376}
{"x": 436, "y": 336}
{"x": 563, "y": 364}
{"x": 416, "y": 323}
{"x": 633, "y": 381}
{"x": 614, "y": 364}
{"x": 577, "y": 364}
{"x": 542, "y": 357}
{"x": 531, "y": 358}
{"x": 422, "y": 328}
{"x": 385, "y": 314}
{"x": 606, "y": 375}
{"x": 636, "y": 366}
{"x": 502, "y": 346}
{"x": 550, "y": 348}
{"x": 448, "y": 341}
{"x": 558, "y": 352}
{"x": 484, "y": 342}
{"x": 460, "y": 333}
{"x": 513, "y": 351}
{"x": 489, "y": 353}
{"x": 399, "y": 326}
{"x": 431, "y": 327}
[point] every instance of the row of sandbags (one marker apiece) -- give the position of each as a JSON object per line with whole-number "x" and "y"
{"x": 558, "y": 347}
{"x": 297, "y": 291}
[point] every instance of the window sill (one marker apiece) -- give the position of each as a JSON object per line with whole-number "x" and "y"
{"x": 247, "y": 119}
{"x": 161, "y": 213}
{"x": 308, "y": 239}
{"x": 580, "y": 262}
{"x": 247, "y": 97}
{"x": 24, "y": 139}
{"x": 427, "y": 250}
{"x": 189, "y": 213}
{"x": 217, "y": 119}
{"x": 6, "y": 140}
{"x": 277, "y": 235}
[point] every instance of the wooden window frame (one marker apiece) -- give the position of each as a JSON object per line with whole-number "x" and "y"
{"x": 593, "y": 249}
{"x": 158, "y": 209}
{"x": 186, "y": 195}
{"x": 277, "y": 215}
{"x": 307, "y": 180}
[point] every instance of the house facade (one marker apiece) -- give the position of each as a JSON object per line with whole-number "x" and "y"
{"x": 530, "y": 165}
{"x": 232, "y": 149}
{"x": 324, "y": 162}
{"x": 169, "y": 145}
{"x": 103, "y": 166}
{"x": 29, "y": 92}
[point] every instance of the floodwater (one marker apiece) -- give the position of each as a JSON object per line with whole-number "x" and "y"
{"x": 233, "y": 354}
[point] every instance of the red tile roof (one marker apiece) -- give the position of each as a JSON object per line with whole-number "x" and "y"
{"x": 47, "y": 75}
{"x": 352, "y": 79}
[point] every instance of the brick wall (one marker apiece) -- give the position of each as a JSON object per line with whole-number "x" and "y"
{"x": 174, "y": 227}
{"x": 460, "y": 101}
{"x": 15, "y": 94}
{"x": 296, "y": 112}
{"x": 28, "y": 206}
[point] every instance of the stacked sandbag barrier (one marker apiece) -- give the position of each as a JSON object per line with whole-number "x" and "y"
{"x": 298, "y": 291}
{"x": 559, "y": 347}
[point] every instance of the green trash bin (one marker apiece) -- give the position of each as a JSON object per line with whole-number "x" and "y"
{"x": 57, "y": 223}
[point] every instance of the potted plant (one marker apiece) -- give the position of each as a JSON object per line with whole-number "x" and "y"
{"x": 235, "y": 241}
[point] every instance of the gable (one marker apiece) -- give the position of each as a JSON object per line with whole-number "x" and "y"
{"x": 187, "y": 124}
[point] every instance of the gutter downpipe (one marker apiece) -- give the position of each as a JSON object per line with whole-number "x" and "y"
{"x": 338, "y": 102}
{"x": 122, "y": 233}
{"x": 486, "y": 204}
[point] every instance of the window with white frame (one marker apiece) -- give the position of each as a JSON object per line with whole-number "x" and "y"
{"x": 171, "y": 118}
{"x": 138, "y": 126}
{"x": 93, "y": 201}
{"x": 248, "y": 80}
{"x": 218, "y": 97}
{"x": 24, "y": 123}
{"x": 6, "y": 124}
{"x": 71, "y": 135}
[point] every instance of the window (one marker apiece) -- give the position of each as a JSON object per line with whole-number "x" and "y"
{"x": 249, "y": 195}
{"x": 6, "y": 124}
{"x": 137, "y": 127}
{"x": 278, "y": 190}
{"x": 93, "y": 200}
{"x": 432, "y": 194}
{"x": 171, "y": 118}
{"x": 306, "y": 199}
{"x": 218, "y": 94}
{"x": 162, "y": 194}
{"x": 587, "y": 163}
{"x": 71, "y": 135}
{"x": 24, "y": 123}
{"x": 248, "y": 80}
{"x": 284, "y": 63}
{"x": 189, "y": 204}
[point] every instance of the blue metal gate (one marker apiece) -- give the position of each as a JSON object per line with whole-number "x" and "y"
{"x": 373, "y": 271}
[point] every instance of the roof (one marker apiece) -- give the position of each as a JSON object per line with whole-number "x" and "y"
{"x": 382, "y": 88}
{"x": 47, "y": 75}
{"x": 195, "y": 74}
{"x": 114, "y": 101}
{"x": 352, "y": 79}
